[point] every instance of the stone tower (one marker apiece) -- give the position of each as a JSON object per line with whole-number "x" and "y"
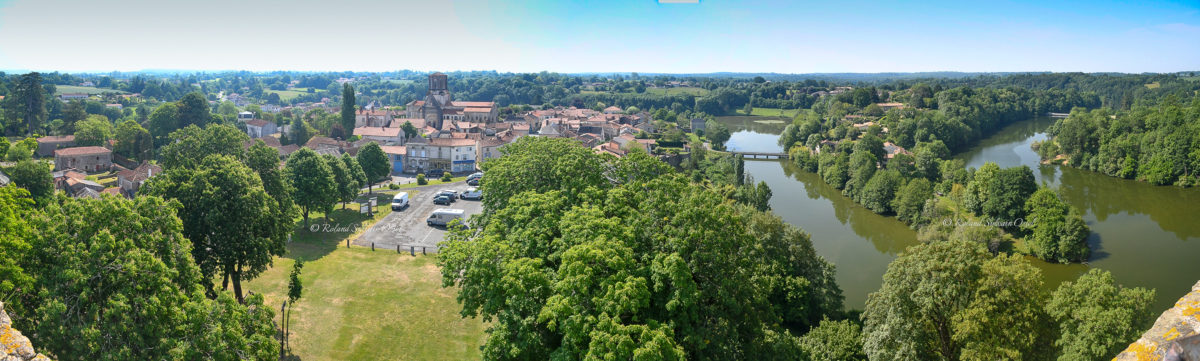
{"x": 438, "y": 88}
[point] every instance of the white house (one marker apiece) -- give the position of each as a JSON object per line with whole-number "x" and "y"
{"x": 258, "y": 128}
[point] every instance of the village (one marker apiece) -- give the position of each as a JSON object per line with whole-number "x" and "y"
{"x": 451, "y": 136}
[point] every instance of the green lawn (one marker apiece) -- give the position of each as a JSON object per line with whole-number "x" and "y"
{"x": 60, "y": 89}
{"x": 360, "y": 304}
{"x": 286, "y": 95}
{"x": 676, "y": 91}
{"x": 771, "y": 112}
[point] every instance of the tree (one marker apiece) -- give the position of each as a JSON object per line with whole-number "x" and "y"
{"x": 298, "y": 133}
{"x": 579, "y": 258}
{"x": 348, "y": 115}
{"x": 4, "y": 144}
{"x": 264, "y": 161}
{"x": 133, "y": 141}
{"x": 22, "y": 150}
{"x": 188, "y": 146}
{"x": 835, "y": 340}
{"x": 295, "y": 291}
{"x": 881, "y": 190}
{"x": 949, "y": 300}
{"x": 114, "y": 280}
{"x": 193, "y": 110}
{"x": 1010, "y": 189}
{"x": 539, "y": 165}
{"x": 347, "y": 187}
{"x": 1056, "y": 232}
{"x": 910, "y": 201}
{"x": 234, "y": 225}
{"x": 312, "y": 181}
{"x": 374, "y": 163}
{"x": 863, "y": 165}
{"x": 163, "y": 121}
{"x": 1097, "y": 318}
{"x": 35, "y": 177}
{"x": 355, "y": 171}
{"x": 15, "y": 206}
{"x": 25, "y": 106}
{"x": 717, "y": 133}
{"x": 74, "y": 112}
{"x": 409, "y": 129}
{"x": 95, "y": 131}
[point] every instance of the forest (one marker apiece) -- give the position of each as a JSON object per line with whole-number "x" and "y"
{"x": 586, "y": 256}
{"x": 1156, "y": 142}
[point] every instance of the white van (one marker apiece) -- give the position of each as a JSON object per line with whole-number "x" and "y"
{"x": 443, "y": 216}
{"x": 400, "y": 201}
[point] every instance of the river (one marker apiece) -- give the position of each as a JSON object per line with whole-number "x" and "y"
{"x": 1147, "y": 236}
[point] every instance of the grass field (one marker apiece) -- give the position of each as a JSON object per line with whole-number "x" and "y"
{"x": 286, "y": 95}
{"x": 675, "y": 91}
{"x": 60, "y": 89}
{"x": 771, "y": 112}
{"x": 360, "y": 304}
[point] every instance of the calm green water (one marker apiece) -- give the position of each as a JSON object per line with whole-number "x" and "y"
{"x": 1147, "y": 236}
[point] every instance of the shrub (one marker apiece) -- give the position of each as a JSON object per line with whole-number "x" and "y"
{"x": 446, "y": 177}
{"x": 393, "y": 186}
{"x": 421, "y": 179}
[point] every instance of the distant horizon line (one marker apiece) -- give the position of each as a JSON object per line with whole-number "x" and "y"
{"x": 750, "y": 73}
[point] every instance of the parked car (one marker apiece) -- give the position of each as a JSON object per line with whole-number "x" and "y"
{"x": 434, "y": 173}
{"x": 472, "y": 193}
{"x": 473, "y": 179}
{"x": 453, "y": 194}
{"x": 443, "y": 216}
{"x": 400, "y": 201}
{"x": 442, "y": 199}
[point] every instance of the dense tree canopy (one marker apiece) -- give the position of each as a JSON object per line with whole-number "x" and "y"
{"x": 578, "y": 257}
{"x": 234, "y": 225}
{"x": 951, "y": 300}
{"x": 114, "y": 280}
{"x": 1097, "y": 318}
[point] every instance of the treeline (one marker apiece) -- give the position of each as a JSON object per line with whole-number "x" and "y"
{"x": 1157, "y": 143}
{"x": 933, "y": 193}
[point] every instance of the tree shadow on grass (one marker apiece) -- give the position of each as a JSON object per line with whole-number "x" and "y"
{"x": 320, "y": 236}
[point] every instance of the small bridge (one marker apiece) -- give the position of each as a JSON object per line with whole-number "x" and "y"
{"x": 760, "y": 155}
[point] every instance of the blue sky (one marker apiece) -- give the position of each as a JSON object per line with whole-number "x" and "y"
{"x": 601, "y": 36}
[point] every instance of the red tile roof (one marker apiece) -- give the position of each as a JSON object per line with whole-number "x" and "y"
{"x": 377, "y": 132}
{"x": 257, "y": 122}
{"x": 81, "y": 151}
{"x": 394, "y": 149}
{"x": 472, "y": 104}
{"x": 56, "y": 138}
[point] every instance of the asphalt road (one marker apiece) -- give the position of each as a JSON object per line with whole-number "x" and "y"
{"x": 407, "y": 227}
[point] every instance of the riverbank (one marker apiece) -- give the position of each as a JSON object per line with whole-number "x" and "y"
{"x": 1145, "y": 235}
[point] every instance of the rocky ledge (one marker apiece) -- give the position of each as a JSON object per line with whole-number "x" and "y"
{"x": 13, "y": 345}
{"x": 1175, "y": 335}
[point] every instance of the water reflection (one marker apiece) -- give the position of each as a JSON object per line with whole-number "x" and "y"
{"x": 1145, "y": 235}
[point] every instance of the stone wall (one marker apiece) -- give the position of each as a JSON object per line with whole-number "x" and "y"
{"x": 1174, "y": 336}
{"x": 13, "y": 345}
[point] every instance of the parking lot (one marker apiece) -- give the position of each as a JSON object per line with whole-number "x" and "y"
{"x": 407, "y": 227}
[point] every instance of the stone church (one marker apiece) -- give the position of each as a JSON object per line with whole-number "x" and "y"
{"x": 442, "y": 112}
